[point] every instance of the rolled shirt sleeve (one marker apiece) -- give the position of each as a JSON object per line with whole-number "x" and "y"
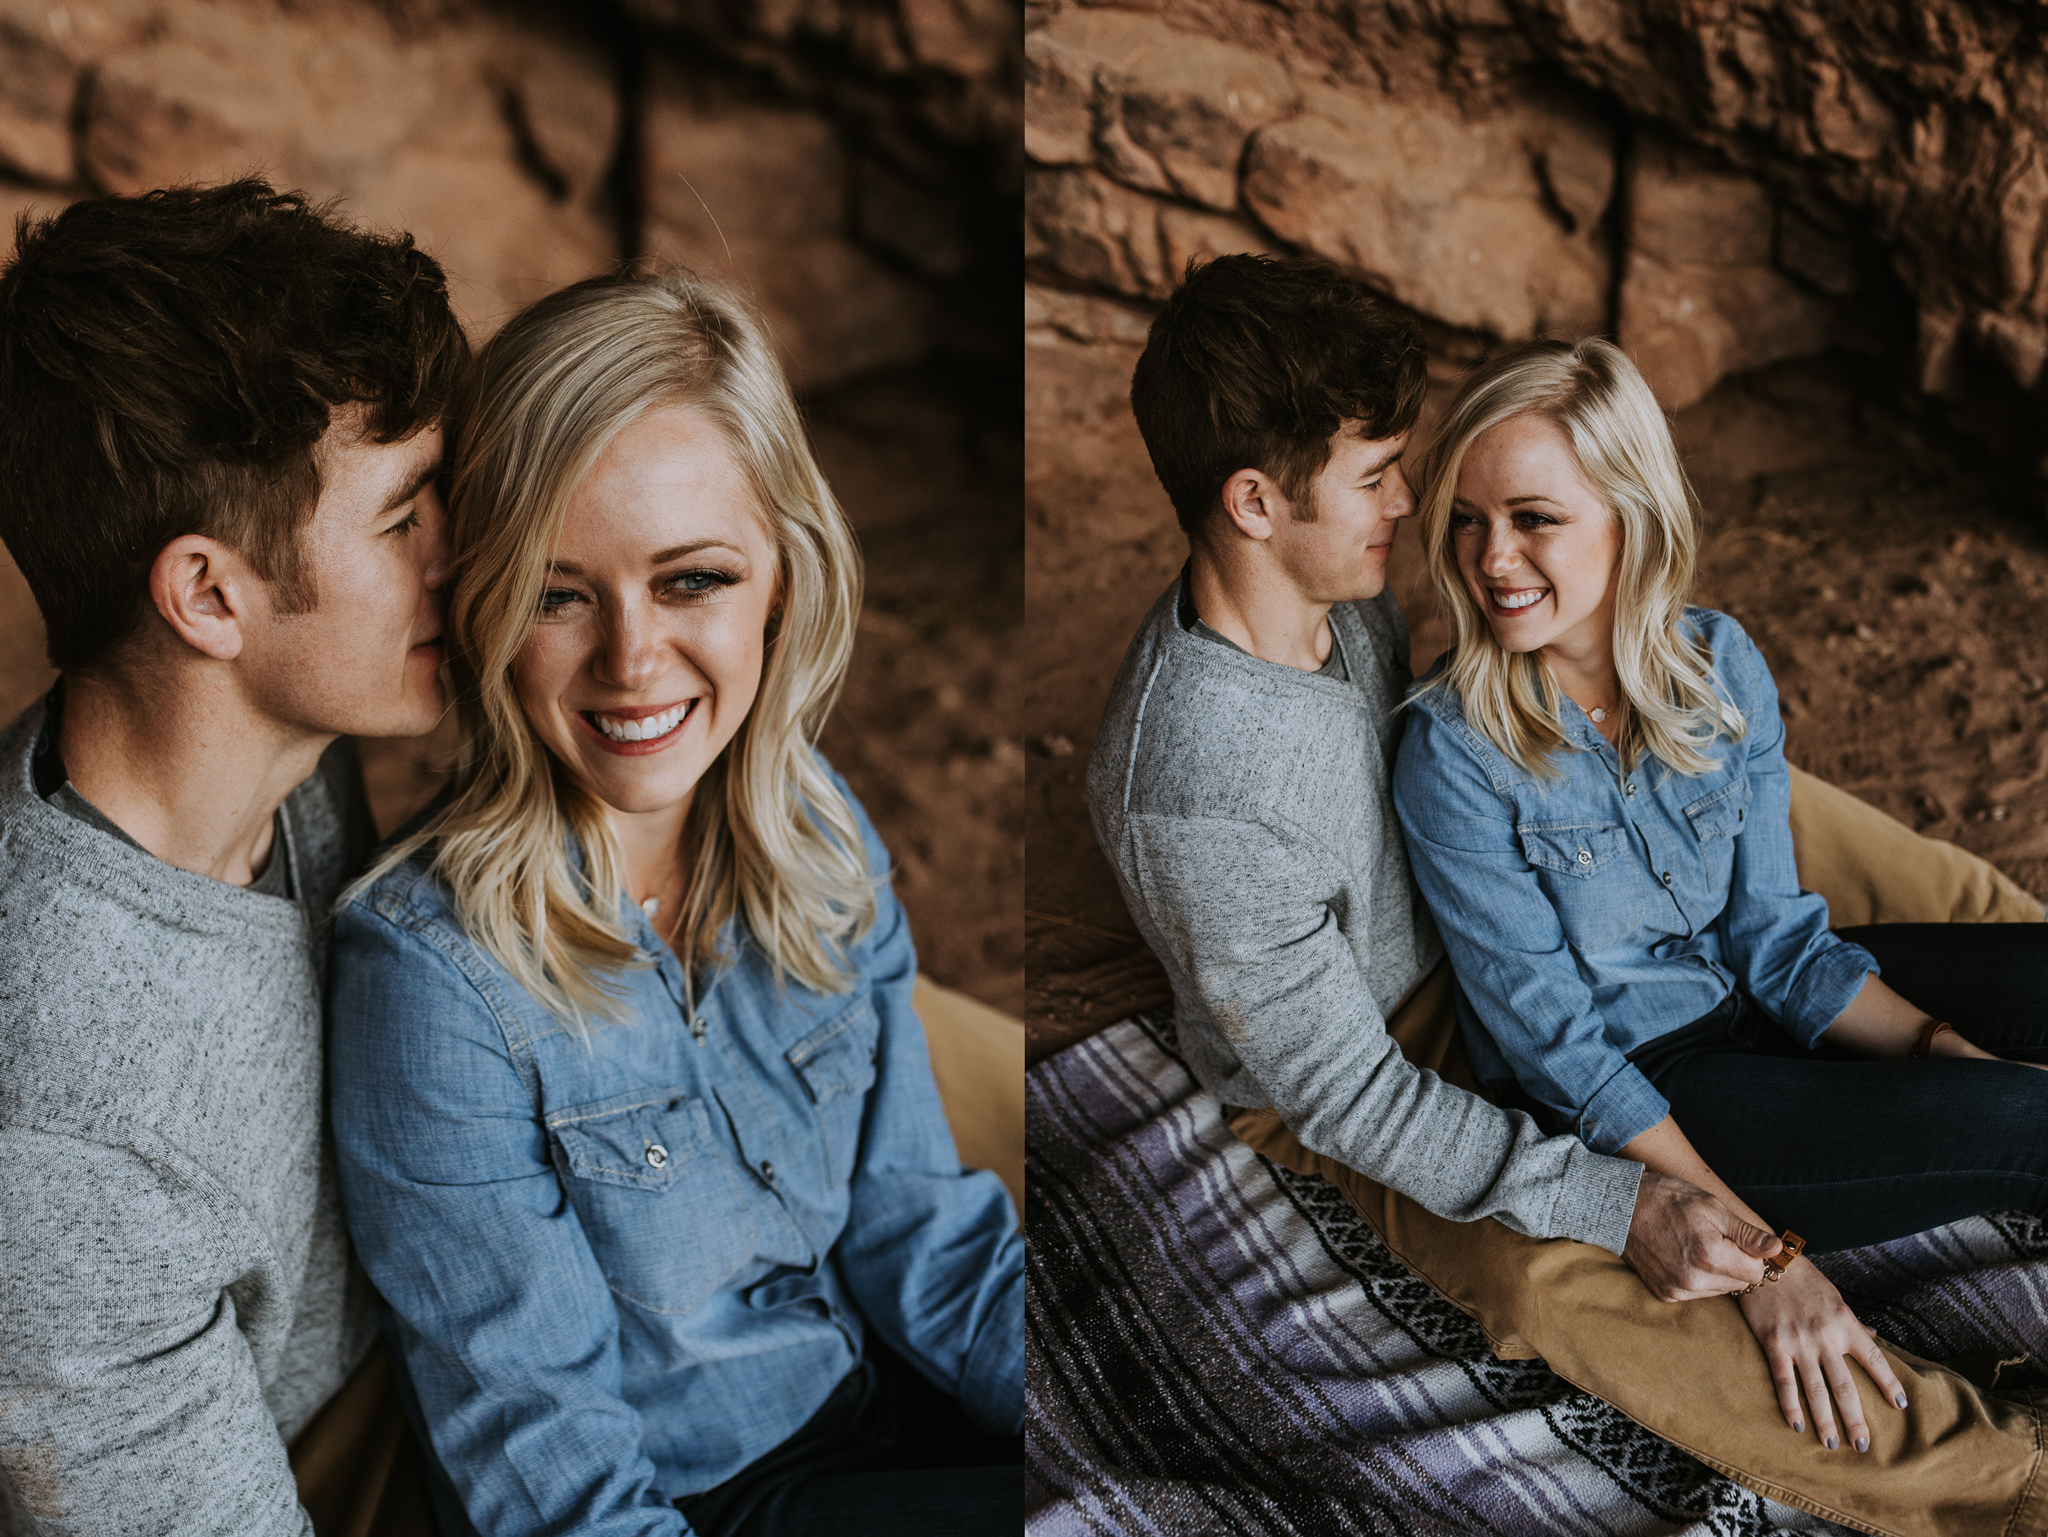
{"x": 930, "y": 1250}
{"x": 1777, "y": 934}
{"x": 1507, "y": 944}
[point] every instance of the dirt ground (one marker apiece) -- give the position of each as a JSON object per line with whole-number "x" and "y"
{"x": 1895, "y": 590}
{"x": 925, "y": 463}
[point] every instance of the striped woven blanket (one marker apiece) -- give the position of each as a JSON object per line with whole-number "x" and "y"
{"x": 1217, "y": 1345}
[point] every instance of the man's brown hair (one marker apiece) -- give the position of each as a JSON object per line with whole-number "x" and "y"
{"x": 1255, "y": 362}
{"x": 167, "y": 364}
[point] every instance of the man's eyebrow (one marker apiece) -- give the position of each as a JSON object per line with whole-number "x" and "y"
{"x": 410, "y": 489}
{"x": 1382, "y": 464}
{"x": 659, "y": 557}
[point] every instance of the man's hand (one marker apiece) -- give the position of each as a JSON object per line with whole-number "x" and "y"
{"x": 1685, "y": 1244}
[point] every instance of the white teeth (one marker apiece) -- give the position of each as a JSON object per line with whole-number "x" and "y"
{"x": 644, "y": 730}
{"x": 1520, "y": 599}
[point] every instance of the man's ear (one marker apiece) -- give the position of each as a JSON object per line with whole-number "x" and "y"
{"x": 202, "y": 589}
{"x": 1252, "y": 504}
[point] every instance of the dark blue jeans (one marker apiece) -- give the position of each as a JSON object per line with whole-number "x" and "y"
{"x": 1846, "y": 1150}
{"x": 887, "y": 1456}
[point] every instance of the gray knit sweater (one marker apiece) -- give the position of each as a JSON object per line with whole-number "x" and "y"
{"x": 177, "y": 1293}
{"x": 1247, "y": 811}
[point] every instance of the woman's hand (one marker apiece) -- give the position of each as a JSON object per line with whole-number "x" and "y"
{"x": 1809, "y": 1337}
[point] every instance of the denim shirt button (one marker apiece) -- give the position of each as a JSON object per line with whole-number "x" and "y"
{"x": 657, "y": 1156}
{"x": 1631, "y": 791}
{"x": 768, "y": 1171}
{"x": 1667, "y": 877}
{"x": 1584, "y": 857}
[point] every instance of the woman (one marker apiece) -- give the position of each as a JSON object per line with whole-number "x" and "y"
{"x": 1593, "y": 789}
{"x": 637, "y": 1131}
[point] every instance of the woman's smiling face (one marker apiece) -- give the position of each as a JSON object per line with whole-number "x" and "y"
{"x": 647, "y": 653}
{"x": 1538, "y": 549}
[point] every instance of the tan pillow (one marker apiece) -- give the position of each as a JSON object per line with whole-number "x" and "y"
{"x": 1872, "y": 869}
{"x": 978, "y": 1059}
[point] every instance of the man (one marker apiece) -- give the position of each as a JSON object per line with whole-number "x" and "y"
{"x": 218, "y": 448}
{"x": 1240, "y": 787}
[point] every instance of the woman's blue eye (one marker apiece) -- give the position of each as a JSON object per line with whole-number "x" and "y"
{"x": 698, "y": 584}
{"x": 554, "y": 598}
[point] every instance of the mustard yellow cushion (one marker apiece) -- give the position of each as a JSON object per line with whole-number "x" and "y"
{"x": 1872, "y": 869}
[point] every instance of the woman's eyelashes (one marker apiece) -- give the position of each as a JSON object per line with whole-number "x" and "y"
{"x": 406, "y": 524}
{"x": 693, "y": 586}
{"x": 1466, "y": 522}
{"x": 702, "y": 582}
{"x": 554, "y": 599}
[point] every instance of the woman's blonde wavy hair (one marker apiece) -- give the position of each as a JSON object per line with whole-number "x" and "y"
{"x": 770, "y": 837}
{"x": 1623, "y": 446}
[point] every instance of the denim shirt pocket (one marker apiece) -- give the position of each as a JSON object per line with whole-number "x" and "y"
{"x": 1585, "y": 870}
{"x": 1717, "y": 821}
{"x": 664, "y": 1213}
{"x": 836, "y": 1062}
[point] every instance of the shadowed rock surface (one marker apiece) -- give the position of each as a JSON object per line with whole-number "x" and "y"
{"x": 1721, "y": 187}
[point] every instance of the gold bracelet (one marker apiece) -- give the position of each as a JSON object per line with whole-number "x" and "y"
{"x": 1779, "y": 1263}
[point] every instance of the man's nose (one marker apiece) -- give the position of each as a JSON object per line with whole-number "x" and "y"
{"x": 1402, "y": 503}
{"x": 435, "y": 519}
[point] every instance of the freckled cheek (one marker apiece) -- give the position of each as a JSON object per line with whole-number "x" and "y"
{"x": 731, "y": 661}
{"x": 542, "y": 672}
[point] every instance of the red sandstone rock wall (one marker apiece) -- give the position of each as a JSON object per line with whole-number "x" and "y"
{"x": 529, "y": 144}
{"x": 1722, "y": 187}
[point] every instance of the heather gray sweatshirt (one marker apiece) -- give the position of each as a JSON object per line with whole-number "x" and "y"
{"x": 1246, "y": 809}
{"x": 177, "y": 1293}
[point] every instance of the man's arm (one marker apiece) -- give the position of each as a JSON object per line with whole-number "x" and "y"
{"x": 128, "y": 1397}
{"x": 1235, "y": 900}
{"x": 1244, "y": 905}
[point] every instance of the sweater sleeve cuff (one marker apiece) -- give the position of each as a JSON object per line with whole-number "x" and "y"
{"x": 1826, "y": 985}
{"x": 1625, "y": 1107}
{"x": 1597, "y": 1200}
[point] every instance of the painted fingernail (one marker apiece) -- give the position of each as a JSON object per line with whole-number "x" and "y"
{"x": 1833, "y": 1444}
{"x": 1900, "y": 1400}
{"x": 1799, "y": 1427}
{"x": 1863, "y": 1443}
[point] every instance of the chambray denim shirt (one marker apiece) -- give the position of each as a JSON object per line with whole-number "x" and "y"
{"x": 1592, "y": 913}
{"x": 623, "y": 1270}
